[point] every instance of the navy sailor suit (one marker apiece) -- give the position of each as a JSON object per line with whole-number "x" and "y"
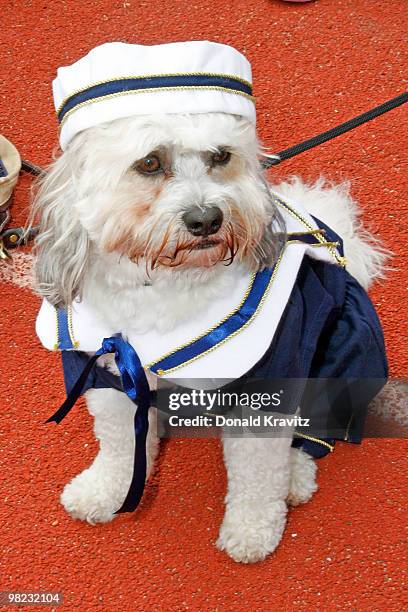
{"x": 307, "y": 318}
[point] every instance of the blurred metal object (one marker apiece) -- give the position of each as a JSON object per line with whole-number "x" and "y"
{"x": 10, "y": 167}
{"x": 4, "y": 254}
{"x": 18, "y": 236}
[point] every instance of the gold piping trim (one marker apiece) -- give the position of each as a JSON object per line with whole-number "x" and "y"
{"x": 74, "y": 343}
{"x": 321, "y": 244}
{"x": 339, "y": 259}
{"x": 261, "y": 302}
{"x": 151, "y": 76}
{"x": 346, "y": 436}
{"x": 313, "y": 232}
{"x": 322, "y": 442}
{"x": 125, "y": 93}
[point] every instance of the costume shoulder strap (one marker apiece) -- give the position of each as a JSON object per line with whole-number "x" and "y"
{"x": 65, "y": 336}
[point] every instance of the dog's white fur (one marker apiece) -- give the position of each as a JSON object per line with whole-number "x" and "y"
{"x": 107, "y": 230}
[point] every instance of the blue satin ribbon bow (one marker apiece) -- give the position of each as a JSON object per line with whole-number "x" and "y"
{"x": 136, "y": 387}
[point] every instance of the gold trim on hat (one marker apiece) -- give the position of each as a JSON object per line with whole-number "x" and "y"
{"x": 151, "y": 76}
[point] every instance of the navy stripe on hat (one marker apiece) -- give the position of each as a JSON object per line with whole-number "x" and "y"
{"x": 176, "y": 81}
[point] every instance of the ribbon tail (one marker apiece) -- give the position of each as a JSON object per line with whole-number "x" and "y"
{"x": 75, "y": 393}
{"x": 141, "y": 426}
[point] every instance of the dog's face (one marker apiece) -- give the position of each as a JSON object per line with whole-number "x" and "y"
{"x": 170, "y": 191}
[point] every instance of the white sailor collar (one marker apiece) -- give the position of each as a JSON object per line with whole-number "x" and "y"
{"x": 228, "y": 339}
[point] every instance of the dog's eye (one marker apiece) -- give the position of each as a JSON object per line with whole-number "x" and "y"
{"x": 220, "y": 158}
{"x": 149, "y": 165}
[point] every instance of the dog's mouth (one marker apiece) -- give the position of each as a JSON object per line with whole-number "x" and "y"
{"x": 205, "y": 244}
{"x": 193, "y": 251}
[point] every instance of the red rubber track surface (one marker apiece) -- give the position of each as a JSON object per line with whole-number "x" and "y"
{"x": 315, "y": 65}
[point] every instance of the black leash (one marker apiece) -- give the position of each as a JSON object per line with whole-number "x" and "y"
{"x": 14, "y": 237}
{"x": 32, "y": 168}
{"x": 277, "y": 158}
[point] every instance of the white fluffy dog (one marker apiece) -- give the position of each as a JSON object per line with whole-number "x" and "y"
{"x": 141, "y": 216}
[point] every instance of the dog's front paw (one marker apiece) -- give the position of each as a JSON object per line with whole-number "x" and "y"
{"x": 248, "y": 537}
{"x": 302, "y": 478}
{"x": 90, "y": 497}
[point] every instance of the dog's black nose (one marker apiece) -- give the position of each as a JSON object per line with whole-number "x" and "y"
{"x": 203, "y": 221}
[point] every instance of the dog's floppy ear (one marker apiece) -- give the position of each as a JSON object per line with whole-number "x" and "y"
{"x": 62, "y": 245}
{"x": 267, "y": 250}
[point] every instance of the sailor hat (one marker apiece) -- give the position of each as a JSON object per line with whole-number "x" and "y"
{"x": 116, "y": 80}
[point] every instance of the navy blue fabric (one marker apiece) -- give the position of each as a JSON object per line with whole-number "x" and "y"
{"x": 73, "y": 364}
{"x": 329, "y": 330}
{"x": 126, "y": 85}
{"x": 3, "y": 169}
